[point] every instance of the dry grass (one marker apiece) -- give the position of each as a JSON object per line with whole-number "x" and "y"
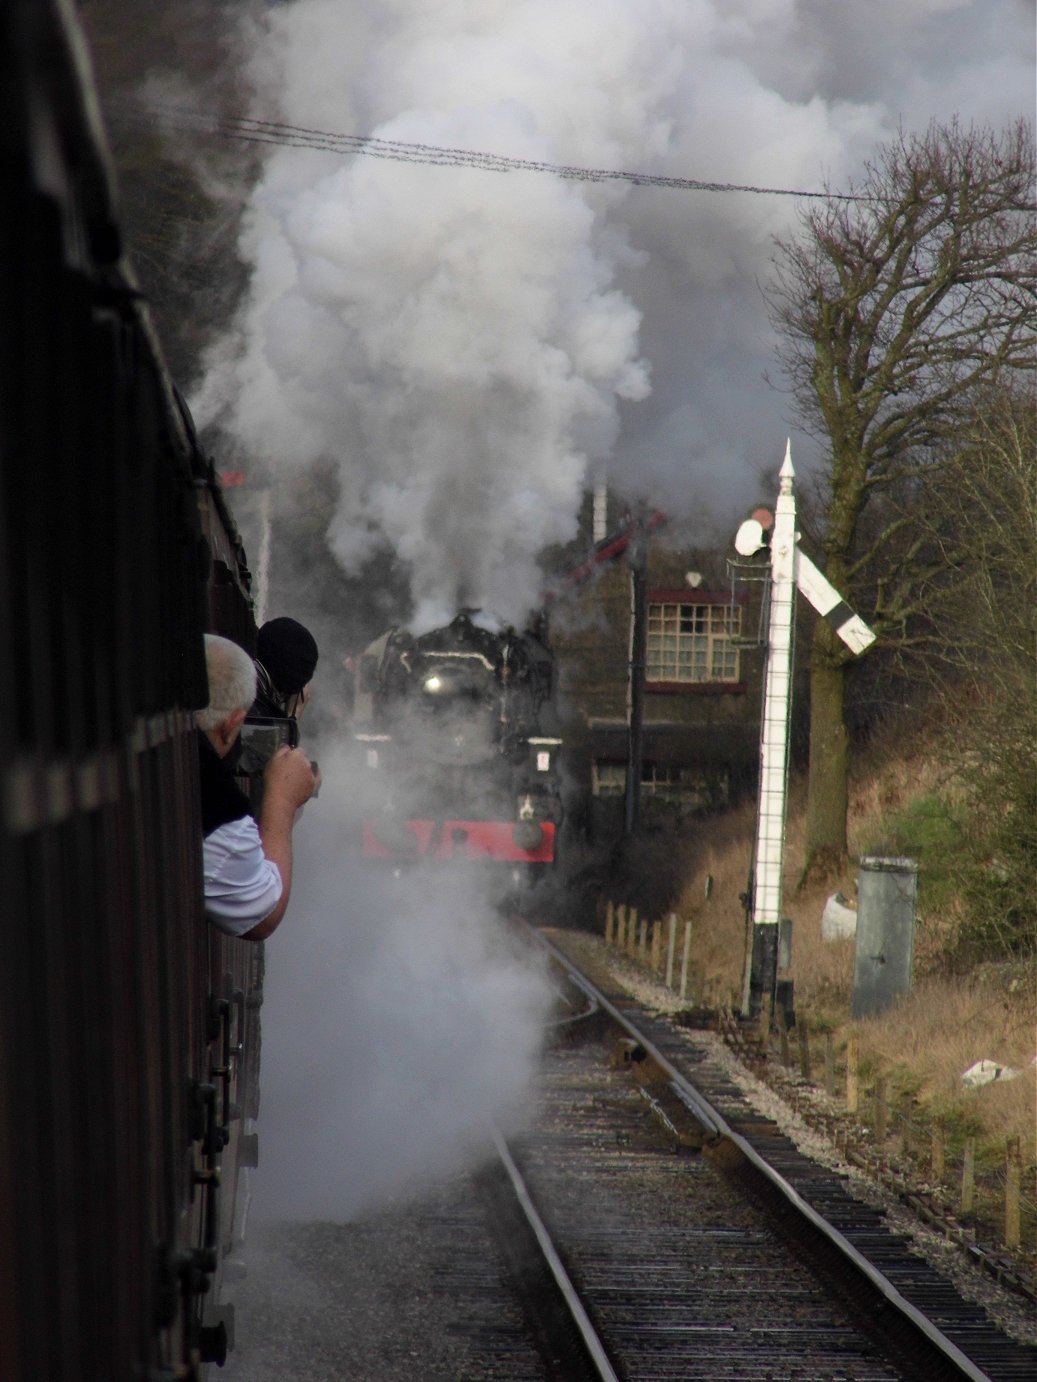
{"x": 933, "y": 1034}
{"x": 823, "y": 972}
{"x": 928, "y": 1039}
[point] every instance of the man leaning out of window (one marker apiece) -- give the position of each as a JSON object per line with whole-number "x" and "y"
{"x": 247, "y": 864}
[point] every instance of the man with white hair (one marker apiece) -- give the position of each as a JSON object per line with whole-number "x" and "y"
{"x": 247, "y": 866}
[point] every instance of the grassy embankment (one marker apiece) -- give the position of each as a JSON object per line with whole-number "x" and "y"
{"x": 951, "y": 1019}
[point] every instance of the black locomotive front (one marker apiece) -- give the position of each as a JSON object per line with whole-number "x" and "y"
{"x": 459, "y": 745}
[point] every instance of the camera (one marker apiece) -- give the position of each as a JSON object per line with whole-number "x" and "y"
{"x": 261, "y": 737}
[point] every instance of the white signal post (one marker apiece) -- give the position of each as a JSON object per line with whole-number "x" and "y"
{"x": 790, "y": 568}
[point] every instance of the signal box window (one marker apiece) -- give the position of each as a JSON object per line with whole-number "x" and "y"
{"x": 609, "y": 779}
{"x": 693, "y": 643}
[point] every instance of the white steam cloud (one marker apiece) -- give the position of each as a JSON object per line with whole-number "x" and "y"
{"x": 398, "y": 1021}
{"x": 467, "y": 345}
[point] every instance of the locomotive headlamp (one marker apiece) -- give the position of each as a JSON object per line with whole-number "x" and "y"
{"x": 445, "y": 681}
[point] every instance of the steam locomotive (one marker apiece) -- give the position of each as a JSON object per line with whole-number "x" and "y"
{"x": 459, "y": 744}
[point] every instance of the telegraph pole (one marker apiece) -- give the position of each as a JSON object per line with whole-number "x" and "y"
{"x": 638, "y": 559}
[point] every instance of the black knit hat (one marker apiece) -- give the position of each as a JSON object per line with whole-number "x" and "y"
{"x": 288, "y": 651}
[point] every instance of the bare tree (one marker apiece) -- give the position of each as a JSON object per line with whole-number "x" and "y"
{"x": 895, "y": 305}
{"x": 985, "y": 504}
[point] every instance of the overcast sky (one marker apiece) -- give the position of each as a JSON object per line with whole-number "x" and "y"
{"x": 471, "y": 347}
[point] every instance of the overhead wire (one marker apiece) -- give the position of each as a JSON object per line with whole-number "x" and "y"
{"x": 434, "y": 155}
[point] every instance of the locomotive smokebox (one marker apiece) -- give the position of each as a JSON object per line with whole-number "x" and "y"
{"x": 468, "y": 743}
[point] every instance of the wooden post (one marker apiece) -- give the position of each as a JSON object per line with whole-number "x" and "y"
{"x": 610, "y": 917}
{"x": 684, "y": 959}
{"x": 803, "y": 1034}
{"x": 671, "y": 945}
{"x": 937, "y": 1160}
{"x": 621, "y": 926}
{"x": 766, "y": 1021}
{"x": 881, "y": 1111}
{"x": 783, "y": 1037}
{"x": 853, "y": 1059}
{"x": 968, "y": 1176}
{"x": 1013, "y": 1187}
{"x": 657, "y": 944}
{"x": 830, "y": 1065}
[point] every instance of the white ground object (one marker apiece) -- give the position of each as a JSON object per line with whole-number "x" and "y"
{"x": 986, "y": 1072}
{"x": 838, "y": 920}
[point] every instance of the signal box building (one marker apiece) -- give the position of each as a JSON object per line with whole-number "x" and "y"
{"x": 704, "y": 665}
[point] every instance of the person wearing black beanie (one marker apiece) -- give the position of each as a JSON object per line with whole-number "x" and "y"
{"x": 286, "y": 659}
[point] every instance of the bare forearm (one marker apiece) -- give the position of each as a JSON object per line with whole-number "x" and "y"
{"x": 275, "y": 831}
{"x": 288, "y": 782}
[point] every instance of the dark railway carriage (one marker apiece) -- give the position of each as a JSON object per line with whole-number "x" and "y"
{"x": 128, "y": 1027}
{"x": 459, "y": 746}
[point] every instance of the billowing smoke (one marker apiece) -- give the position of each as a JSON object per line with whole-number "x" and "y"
{"x": 456, "y": 341}
{"x": 464, "y": 345}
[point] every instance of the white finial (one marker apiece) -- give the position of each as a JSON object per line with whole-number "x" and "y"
{"x": 786, "y": 470}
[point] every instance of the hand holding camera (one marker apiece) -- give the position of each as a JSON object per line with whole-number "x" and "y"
{"x": 290, "y": 772}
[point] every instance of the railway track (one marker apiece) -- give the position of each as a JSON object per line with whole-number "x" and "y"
{"x": 660, "y": 1229}
{"x": 629, "y": 1232}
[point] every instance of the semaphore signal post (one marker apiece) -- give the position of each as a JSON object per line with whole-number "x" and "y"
{"x": 791, "y": 569}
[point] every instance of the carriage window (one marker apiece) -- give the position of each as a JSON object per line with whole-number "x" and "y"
{"x": 693, "y": 643}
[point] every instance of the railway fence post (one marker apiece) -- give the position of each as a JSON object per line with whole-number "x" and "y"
{"x": 968, "y": 1176}
{"x": 671, "y": 942}
{"x": 903, "y": 1136}
{"x": 642, "y": 941}
{"x": 783, "y": 1036}
{"x": 937, "y": 1156}
{"x": 657, "y": 947}
{"x": 830, "y": 1064}
{"x": 684, "y": 959}
{"x": 881, "y": 1112}
{"x": 1013, "y": 1189}
{"x": 766, "y": 1021}
{"x": 853, "y": 1057}
{"x": 610, "y": 918}
{"x": 803, "y": 1034}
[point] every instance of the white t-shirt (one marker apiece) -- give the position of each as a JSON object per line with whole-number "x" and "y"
{"x": 242, "y": 886}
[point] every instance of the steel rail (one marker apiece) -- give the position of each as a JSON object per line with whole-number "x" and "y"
{"x": 570, "y": 1018}
{"x": 589, "y": 1337}
{"x": 715, "y": 1123}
